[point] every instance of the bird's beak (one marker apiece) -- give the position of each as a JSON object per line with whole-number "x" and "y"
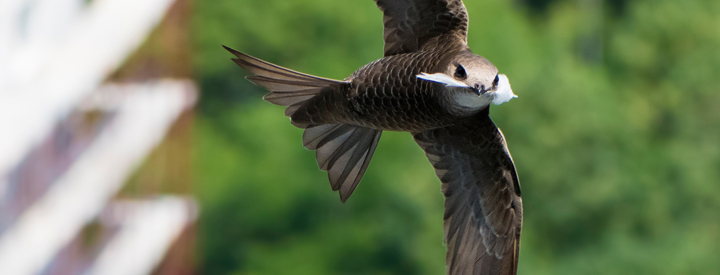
{"x": 479, "y": 90}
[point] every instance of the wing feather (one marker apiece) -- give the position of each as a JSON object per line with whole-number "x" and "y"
{"x": 483, "y": 208}
{"x": 409, "y": 24}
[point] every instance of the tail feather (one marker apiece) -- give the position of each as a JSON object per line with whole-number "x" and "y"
{"x": 343, "y": 150}
{"x": 287, "y": 87}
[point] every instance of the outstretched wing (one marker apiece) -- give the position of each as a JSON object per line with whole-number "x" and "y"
{"x": 409, "y": 24}
{"x": 483, "y": 208}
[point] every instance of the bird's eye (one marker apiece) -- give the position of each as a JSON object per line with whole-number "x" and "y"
{"x": 460, "y": 72}
{"x": 496, "y": 81}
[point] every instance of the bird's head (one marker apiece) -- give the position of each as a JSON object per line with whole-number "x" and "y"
{"x": 472, "y": 81}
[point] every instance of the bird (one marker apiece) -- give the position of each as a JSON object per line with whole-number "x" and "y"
{"x": 430, "y": 84}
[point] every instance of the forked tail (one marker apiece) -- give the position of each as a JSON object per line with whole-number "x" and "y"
{"x": 343, "y": 150}
{"x": 287, "y": 87}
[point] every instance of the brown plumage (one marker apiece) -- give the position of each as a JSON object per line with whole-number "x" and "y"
{"x": 431, "y": 85}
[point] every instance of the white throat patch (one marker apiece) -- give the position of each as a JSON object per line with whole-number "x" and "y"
{"x": 504, "y": 92}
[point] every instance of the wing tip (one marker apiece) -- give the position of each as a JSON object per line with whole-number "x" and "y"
{"x": 344, "y": 196}
{"x": 231, "y": 50}
{"x": 241, "y": 58}
{"x": 346, "y": 193}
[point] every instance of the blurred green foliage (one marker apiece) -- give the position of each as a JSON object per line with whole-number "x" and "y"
{"x": 615, "y": 135}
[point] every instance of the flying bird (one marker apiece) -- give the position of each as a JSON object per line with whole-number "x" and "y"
{"x": 430, "y": 84}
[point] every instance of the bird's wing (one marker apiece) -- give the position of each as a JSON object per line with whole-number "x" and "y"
{"x": 409, "y": 24}
{"x": 483, "y": 208}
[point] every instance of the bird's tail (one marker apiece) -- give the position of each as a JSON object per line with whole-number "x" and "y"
{"x": 287, "y": 87}
{"x": 343, "y": 150}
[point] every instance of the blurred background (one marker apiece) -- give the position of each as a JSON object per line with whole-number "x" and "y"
{"x": 132, "y": 145}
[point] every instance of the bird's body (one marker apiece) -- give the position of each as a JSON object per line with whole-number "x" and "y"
{"x": 431, "y": 85}
{"x": 387, "y": 95}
